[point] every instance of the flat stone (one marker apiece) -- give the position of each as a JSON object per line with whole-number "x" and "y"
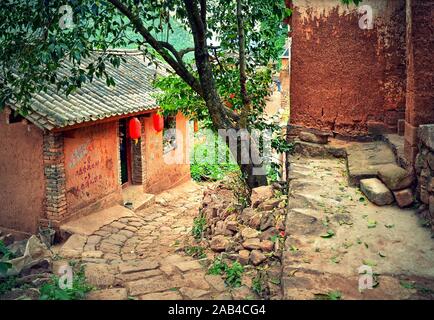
{"x": 139, "y": 275}
{"x": 404, "y": 198}
{"x": 249, "y": 233}
{"x": 149, "y": 285}
{"x": 376, "y": 191}
{"x": 93, "y": 239}
{"x": 243, "y": 257}
{"x": 188, "y": 265}
{"x": 100, "y": 275}
{"x": 219, "y": 243}
{"x": 196, "y": 280}
{"x": 118, "y": 225}
{"x": 192, "y": 294}
{"x": 241, "y": 293}
{"x": 73, "y": 247}
{"x": 395, "y": 177}
{"x": 252, "y": 244}
{"x": 107, "y": 247}
{"x": 167, "y": 295}
{"x": 255, "y": 220}
{"x": 257, "y": 257}
{"x": 216, "y": 282}
{"x": 108, "y": 294}
{"x": 127, "y": 233}
{"x": 142, "y": 265}
{"x": 269, "y": 204}
{"x": 365, "y": 159}
{"x": 314, "y": 138}
{"x": 92, "y": 254}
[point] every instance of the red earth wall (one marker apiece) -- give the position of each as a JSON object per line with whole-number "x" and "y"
{"x": 344, "y": 79}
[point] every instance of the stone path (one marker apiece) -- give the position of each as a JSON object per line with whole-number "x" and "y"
{"x": 333, "y": 230}
{"x": 136, "y": 256}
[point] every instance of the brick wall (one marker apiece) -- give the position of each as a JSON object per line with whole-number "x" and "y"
{"x": 344, "y": 79}
{"x": 55, "y": 179}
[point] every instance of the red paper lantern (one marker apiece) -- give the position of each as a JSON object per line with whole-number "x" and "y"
{"x": 135, "y": 129}
{"x": 158, "y": 122}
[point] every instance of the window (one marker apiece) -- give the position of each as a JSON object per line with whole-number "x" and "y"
{"x": 169, "y": 134}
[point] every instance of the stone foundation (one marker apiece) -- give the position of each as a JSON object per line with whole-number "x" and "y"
{"x": 425, "y": 170}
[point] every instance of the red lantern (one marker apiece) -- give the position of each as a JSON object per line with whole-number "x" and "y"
{"x": 135, "y": 129}
{"x": 158, "y": 122}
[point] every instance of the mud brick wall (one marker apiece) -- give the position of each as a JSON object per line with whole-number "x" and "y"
{"x": 425, "y": 169}
{"x": 345, "y": 79}
{"x": 21, "y": 176}
{"x": 420, "y": 71}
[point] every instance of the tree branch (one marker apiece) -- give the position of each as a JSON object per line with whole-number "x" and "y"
{"x": 177, "y": 64}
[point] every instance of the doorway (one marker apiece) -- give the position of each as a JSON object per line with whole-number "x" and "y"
{"x": 124, "y": 151}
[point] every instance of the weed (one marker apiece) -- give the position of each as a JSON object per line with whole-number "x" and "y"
{"x": 52, "y": 291}
{"x": 332, "y": 295}
{"x": 196, "y": 252}
{"x": 199, "y": 225}
{"x": 7, "y": 284}
{"x": 217, "y": 267}
{"x": 233, "y": 274}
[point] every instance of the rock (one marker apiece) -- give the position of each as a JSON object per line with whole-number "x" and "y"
{"x": 193, "y": 294}
{"x": 255, "y": 220}
{"x": 267, "y": 234}
{"x": 243, "y": 257}
{"x": 249, "y": 233}
{"x": 395, "y": 177}
{"x": 242, "y": 293}
{"x": 426, "y": 135}
{"x": 73, "y": 247}
{"x": 139, "y": 275}
{"x": 216, "y": 282}
{"x": 223, "y": 296}
{"x": 319, "y": 138}
{"x": 269, "y": 204}
{"x": 232, "y": 226}
{"x": 195, "y": 279}
{"x": 376, "y": 191}
{"x": 107, "y": 247}
{"x": 267, "y": 221}
{"x": 431, "y": 205}
{"x": 138, "y": 266}
{"x": 168, "y": 295}
{"x": 246, "y": 215}
{"x": 108, "y": 294}
{"x": 252, "y": 244}
{"x": 267, "y": 245}
{"x": 257, "y": 257}
{"x": 219, "y": 228}
{"x": 260, "y": 194}
{"x": 100, "y": 275}
{"x": 404, "y": 198}
{"x": 219, "y": 243}
{"x": 188, "y": 265}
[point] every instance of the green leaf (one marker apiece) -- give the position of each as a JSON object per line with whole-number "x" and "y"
{"x": 369, "y": 263}
{"x": 329, "y": 234}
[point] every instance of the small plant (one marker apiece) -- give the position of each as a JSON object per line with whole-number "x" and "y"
{"x": 199, "y": 225}
{"x": 5, "y": 255}
{"x": 332, "y": 295}
{"x": 7, "y": 284}
{"x": 217, "y": 267}
{"x": 257, "y": 285}
{"x": 233, "y": 274}
{"x": 52, "y": 291}
{"x": 196, "y": 252}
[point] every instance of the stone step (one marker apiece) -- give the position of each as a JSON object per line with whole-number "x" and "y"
{"x": 89, "y": 224}
{"x": 135, "y": 199}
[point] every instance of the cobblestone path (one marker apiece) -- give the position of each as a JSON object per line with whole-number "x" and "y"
{"x": 136, "y": 257}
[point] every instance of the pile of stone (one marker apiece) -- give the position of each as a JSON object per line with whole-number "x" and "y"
{"x": 425, "y": 172}
{"x": 392, "y": 183}
{"x": 253, "y": 236}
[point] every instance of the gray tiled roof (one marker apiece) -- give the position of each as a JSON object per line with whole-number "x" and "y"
{"x": 93, "y": 101}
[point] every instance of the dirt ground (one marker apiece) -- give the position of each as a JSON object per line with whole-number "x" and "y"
{"x": 333, "y": 230}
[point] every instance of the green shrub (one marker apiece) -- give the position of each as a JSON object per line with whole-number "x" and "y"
{"x": 233, "y": 274}
{"x": 196, "y": 252}
{"x": 52, "y": 291}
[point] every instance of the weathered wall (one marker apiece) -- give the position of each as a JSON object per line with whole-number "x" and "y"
{"x": 91, "y": 166}
{"x": 420, "y": 71}
{"x": 161, "y": 172}
{"x": 342, "y": 77}
{"x": 425, "y": 170}
{"x": 21, "y": 176}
